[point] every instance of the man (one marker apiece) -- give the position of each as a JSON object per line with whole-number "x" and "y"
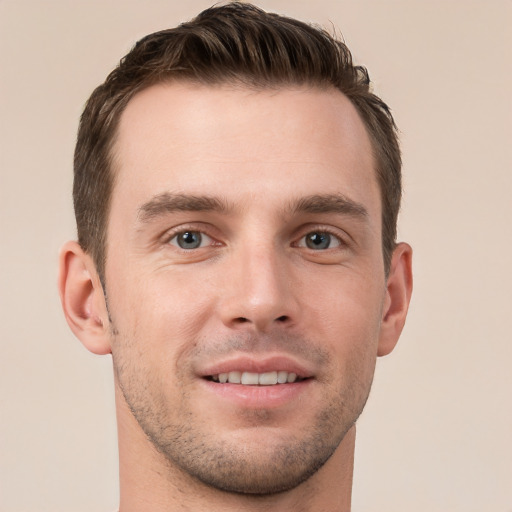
{"x": 236, "y": 193}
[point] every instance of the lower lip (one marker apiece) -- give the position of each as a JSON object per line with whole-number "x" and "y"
{"x": 259, "y": 397}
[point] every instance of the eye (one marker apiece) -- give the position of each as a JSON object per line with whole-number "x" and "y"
{"x": 190, "y": 240}
{"x": 319, "y": 240}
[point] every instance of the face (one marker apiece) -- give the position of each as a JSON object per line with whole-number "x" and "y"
{"x": 245, "y": 278}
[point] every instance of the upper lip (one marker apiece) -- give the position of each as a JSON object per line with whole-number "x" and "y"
{"x": 245, "y": 363}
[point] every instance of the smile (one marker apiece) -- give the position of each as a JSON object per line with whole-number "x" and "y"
{"x": 256, "y": 379}
{"x": 252, "y": 383}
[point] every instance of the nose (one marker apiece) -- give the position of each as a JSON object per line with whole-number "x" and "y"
{"x": 259, "y": 291}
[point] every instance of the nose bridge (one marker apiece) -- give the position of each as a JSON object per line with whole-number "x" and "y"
{"x": 259, "y": 292}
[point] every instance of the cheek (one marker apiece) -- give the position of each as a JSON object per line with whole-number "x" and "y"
{"x": 157, "y": 316}
{"x": 153, "y": 298}
{"x": 346, "y": 315}
{"x": 346, "y": 305}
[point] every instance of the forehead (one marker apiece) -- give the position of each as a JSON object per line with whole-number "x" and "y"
{"x": 222, "y": 140}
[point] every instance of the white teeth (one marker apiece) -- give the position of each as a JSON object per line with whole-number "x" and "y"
{"x": 255, "y": 379}
{"x": 267, "y": 379}
{"x": 282, "y": 377}
{"x": 235, "y": 377}
{"x": 249, "y": 378}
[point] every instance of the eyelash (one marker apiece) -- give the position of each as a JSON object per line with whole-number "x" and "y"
{"x": 170, "y": 236}
{"x": 324, "y": 230}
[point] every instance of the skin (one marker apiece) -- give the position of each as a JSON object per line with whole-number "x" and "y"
{"x": 272, "y": 169}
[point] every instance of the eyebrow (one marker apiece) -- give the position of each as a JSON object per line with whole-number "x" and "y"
{"x": 169, "y": 203}
{"x": 166, "y": 203}
{"x": 330, "y": 203}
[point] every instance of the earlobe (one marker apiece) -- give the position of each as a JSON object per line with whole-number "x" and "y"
{"x": 398, "y": 296}
{"x": 82, "y": 298}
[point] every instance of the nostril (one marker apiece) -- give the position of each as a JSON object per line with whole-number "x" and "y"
{"x": 282, "y": 318}
{"x": 241, "y": 320}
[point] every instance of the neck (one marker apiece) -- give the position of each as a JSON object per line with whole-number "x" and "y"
{"x": 149, "y": 482}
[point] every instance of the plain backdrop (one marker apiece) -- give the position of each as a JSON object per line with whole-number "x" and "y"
{"x": 437, "y": 431}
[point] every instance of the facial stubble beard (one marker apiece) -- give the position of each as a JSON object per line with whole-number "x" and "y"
{"x": 199, "y": 453}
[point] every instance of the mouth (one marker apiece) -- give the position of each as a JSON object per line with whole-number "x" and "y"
{"x": 245, "y": 378}
{"x": 251, "y": 382}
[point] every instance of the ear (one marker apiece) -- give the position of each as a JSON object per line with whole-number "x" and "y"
{"x": 82, "y": 299}
{"x": 398, "y": 296}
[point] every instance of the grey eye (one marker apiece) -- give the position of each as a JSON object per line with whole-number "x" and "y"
{"x": 319, "y": 240}
{"x": 188, "y": 240}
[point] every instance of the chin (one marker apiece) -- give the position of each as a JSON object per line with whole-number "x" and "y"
{"x": 254, "y": 461}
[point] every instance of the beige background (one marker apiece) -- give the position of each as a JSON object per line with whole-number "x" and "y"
{"x": 437, "y": 431}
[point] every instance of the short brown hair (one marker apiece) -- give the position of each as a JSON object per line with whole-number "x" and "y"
{"x": 234, "y": 43}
